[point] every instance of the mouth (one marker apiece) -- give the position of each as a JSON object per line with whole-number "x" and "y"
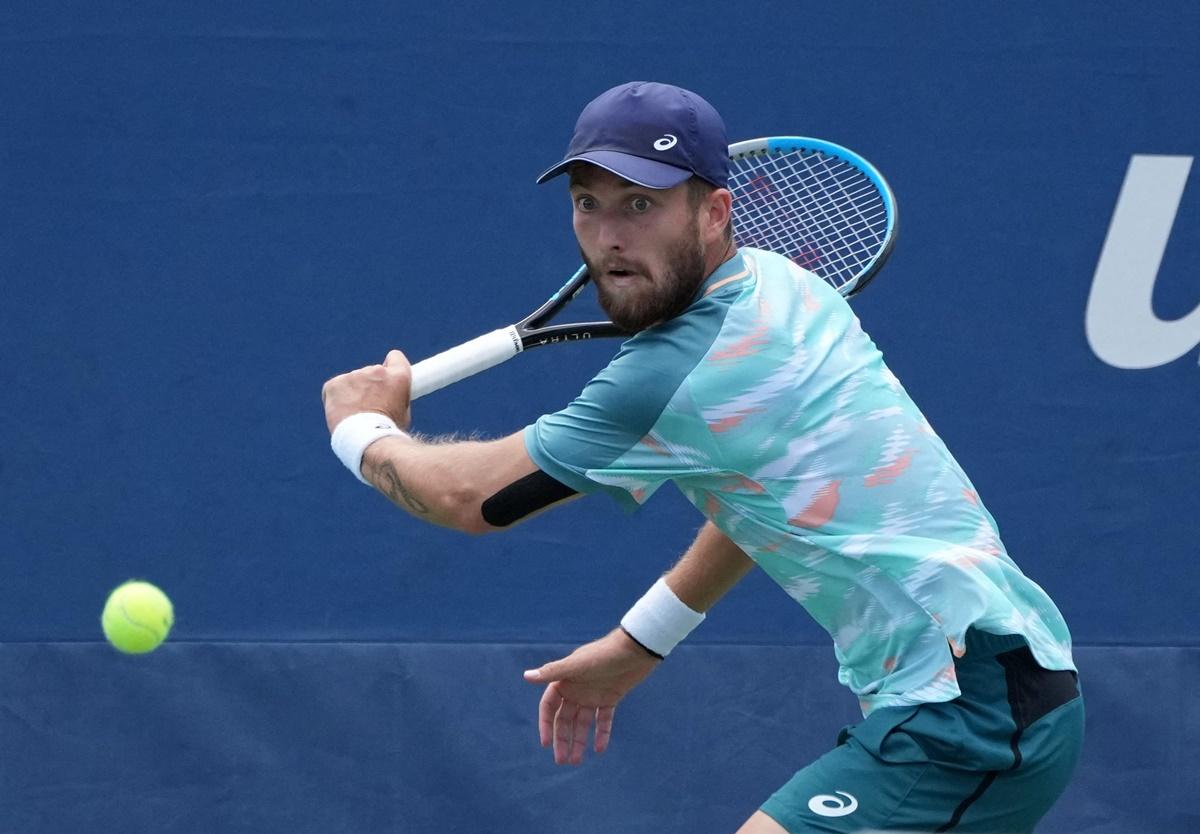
{"x": 620, "y": 277}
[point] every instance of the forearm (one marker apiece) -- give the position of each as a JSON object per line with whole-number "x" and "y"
{"x": 444, "y": 482}
{"x": 676, "y": 603}
{"x": 709, "y": 568}
{"x": 416, "y": 481}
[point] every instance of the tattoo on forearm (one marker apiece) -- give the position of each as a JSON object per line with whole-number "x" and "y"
{"x": 388, "y": 480}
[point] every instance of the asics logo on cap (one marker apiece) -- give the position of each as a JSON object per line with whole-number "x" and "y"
{"x": 666, "y": 143}
{"x": 833, "y": 806}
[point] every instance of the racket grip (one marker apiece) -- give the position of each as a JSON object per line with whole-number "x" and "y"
{"x": 465, "y": 360}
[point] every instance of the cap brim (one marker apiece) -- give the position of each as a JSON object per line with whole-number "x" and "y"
{"x": 644, "y": 172}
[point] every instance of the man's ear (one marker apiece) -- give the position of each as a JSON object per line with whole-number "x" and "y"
{"x": 717, "y": 210}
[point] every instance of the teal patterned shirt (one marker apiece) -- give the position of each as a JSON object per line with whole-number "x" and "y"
{"x": 775, "y": 415}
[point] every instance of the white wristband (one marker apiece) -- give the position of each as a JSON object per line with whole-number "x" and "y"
{"x": 354, "y": 434}
{"x": 660, "y": 620}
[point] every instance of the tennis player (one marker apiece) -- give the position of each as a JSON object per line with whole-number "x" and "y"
{"x": 751, "y": 385}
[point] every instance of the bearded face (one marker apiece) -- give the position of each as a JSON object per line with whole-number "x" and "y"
{"x": 643, "y": 247}
{"x": 636, "y": 295}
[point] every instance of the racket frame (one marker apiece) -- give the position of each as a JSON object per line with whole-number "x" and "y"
{"x": 777, "y": 145}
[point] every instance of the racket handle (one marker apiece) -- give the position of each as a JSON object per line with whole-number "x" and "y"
{"x": 465, "y": 360}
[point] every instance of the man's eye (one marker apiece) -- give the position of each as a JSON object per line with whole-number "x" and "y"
{"x": 639, "y": 204}
{"x": 585, "y": 203}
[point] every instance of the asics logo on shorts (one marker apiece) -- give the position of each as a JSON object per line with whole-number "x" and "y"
{"x": 833, "y": 806}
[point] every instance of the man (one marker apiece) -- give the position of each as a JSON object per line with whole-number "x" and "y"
{"x": 750, "y": 384}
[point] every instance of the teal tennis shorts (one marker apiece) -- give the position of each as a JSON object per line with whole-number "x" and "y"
{"x": 993, "y": 760}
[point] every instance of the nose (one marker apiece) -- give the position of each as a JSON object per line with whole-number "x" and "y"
{"x": 608, "y": 235}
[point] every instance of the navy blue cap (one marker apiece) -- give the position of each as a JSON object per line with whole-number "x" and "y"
{"x": 655, "y": 135}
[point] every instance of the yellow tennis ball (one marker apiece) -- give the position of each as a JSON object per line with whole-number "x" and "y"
{"x": 137, "y": 617}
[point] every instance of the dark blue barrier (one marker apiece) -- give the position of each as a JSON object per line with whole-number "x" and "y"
{"x": 422, "y": 737}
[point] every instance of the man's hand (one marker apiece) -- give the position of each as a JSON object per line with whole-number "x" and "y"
{"x": 584, "y": 687}
{"x": 382, "y": 388}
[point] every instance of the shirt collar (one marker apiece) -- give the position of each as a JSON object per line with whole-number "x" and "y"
{"x": 734, "y": 269}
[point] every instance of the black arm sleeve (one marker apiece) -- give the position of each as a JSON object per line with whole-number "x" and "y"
{"x": 535, "y": 491}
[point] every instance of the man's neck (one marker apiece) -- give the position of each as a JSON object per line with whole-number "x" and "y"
{"x": 718, "y": 256}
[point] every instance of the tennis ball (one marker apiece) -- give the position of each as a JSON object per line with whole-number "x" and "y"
{"x": 137, "y": 617}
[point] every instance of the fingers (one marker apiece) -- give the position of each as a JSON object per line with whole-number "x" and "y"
{"x": 555, "y": 670}
{"x": 543, "y": 674}
{"x": 383, "y": 388}
{"x": 566, "y": 725}
{"x": 547, "y": 710}
{"x": 571, "y": 727}
{"x": 580, "y": 729}
{"x": 604, "y": 722}
{"x": 396, "y": 365}
{"x": 395, "y": 359}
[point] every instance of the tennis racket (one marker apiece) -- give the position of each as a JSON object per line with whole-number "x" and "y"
{"x": 819, "y": 204}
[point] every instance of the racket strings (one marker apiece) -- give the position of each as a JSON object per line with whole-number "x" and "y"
{"x": 814, "y": 213}
{"x": 812, "y": 207}
{"x": 819, "y": 222}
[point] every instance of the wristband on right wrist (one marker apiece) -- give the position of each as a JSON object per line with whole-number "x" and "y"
{"x": 660, "y": 620}
{"x": 354, "y": 434}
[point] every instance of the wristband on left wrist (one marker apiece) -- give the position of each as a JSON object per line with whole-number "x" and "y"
{"x": 640, "y": 645}
{"x": 660, "y": 620}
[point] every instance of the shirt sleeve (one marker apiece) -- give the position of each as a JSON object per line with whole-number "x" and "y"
{"x": 621, "y": 435}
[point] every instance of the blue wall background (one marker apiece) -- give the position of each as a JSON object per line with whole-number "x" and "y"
{"x": 208, "y": 209}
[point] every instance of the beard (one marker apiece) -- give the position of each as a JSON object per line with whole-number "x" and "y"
{"x": 657, "y": 297}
